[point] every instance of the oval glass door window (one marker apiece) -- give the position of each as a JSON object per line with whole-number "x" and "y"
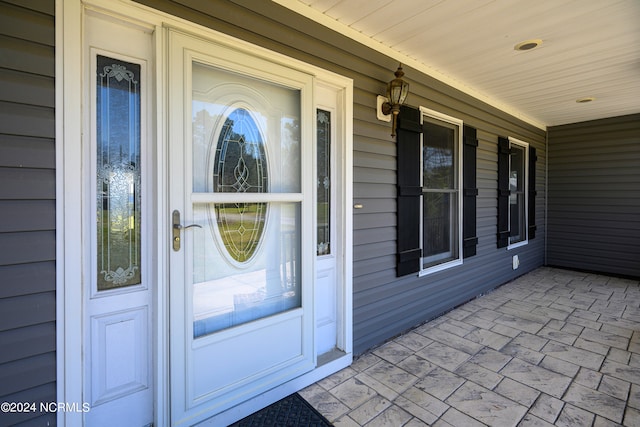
{"x": 240, "y": 166}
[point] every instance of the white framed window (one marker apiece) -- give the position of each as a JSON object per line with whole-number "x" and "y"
{"x": 441, "y": 198}
{"x": 518, "y": 192}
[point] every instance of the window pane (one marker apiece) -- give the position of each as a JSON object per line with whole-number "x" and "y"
{"x": 324, "y": 181}
{"x": 248, "y": 113}
{"x": 226, "y": 295}
{"x": 440, "y": 192}
{"x": 440, "y": 225}
{"x": 118, "y": 173}
{"x": 516, "y": 177}
{"x": 438, "y": 156}
{"x": 517, "y": 218}
{"x": 246, "y": 258}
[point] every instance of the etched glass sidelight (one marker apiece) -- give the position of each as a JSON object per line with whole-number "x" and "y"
{"x": 323, "y": 126}
{"x": 118, "y": 177}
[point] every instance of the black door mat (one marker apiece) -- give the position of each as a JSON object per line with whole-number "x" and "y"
{"x": 292, "y": 411}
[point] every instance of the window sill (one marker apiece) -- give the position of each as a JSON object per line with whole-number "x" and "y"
{"x": 517, "y": 245}
{"x": 439, "y": 267}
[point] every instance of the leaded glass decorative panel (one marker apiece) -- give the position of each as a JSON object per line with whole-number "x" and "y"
{"x": 118, "y": 177}
{"x": 240, "y": 167}
{"x": 241, "y": 226}
{"x": 240, "y": 158}
{"x": 323, "y": 141}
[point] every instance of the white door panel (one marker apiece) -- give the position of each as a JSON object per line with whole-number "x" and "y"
{"x": 326, "y": 320}
{"x": 120, "y": 354}
{"x": 246, "y": 368}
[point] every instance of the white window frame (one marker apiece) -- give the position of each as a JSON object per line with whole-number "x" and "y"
{"x": 525, "y": 148}
{"x": 459, "y": 123}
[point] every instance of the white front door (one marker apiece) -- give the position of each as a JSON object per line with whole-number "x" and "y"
{"x": 117, "y": 199}
{"x": 241, "y": 208}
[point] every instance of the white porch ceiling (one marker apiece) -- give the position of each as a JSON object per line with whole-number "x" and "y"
{"x": 591, "y": 48}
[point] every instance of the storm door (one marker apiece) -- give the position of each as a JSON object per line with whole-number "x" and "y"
{"x": 241, "y": 209}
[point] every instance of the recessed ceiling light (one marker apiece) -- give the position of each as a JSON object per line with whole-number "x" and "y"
{"x": 528, "y": 44}
{"x": 585, "y": 100}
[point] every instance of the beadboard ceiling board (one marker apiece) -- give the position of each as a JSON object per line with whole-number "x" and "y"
{"x": 590, "y": 48}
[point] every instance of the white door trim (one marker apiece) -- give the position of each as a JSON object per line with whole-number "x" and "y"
{"x": 69, "y": 216}
{"x": 68, "y": 209}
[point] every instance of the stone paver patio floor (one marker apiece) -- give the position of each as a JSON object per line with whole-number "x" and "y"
{"x": 551, "y": 348}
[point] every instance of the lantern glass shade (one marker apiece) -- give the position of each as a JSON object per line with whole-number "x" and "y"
{"x": 397, "y": 89}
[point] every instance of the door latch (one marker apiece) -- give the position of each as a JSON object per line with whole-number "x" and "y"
{"x": 176, "y": 227}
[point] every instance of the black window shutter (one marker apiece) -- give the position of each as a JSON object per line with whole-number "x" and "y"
{"x": 503, "y": 192}
{"x": 409, "y": 191}
{"x": 470, "y": 191}
{"x": 532, "y": 193}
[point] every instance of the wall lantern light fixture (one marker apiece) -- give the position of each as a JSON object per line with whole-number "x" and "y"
{"x": 397, "y": 91}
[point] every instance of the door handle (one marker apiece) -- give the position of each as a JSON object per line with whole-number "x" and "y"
{"x": 184, "y": 227}
{"x": 176, "y": 227}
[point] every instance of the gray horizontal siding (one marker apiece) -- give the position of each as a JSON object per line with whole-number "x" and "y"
{"x": 39, "y": 30}
{"x": 20, "y": 152}
{"x": 27, "y": 208}
{"x": 41, "y": 393}
{"x": 26, "y": 120}
{"x": 26, "y": 216}
{"x": 594, "y": 196}
{"x": 21, "y": 55}
{"x": 42, "y": 309}
{"x": 26, "y": 278}
{"x": 20, "y": 343}
{"x": 385, "y": 305}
